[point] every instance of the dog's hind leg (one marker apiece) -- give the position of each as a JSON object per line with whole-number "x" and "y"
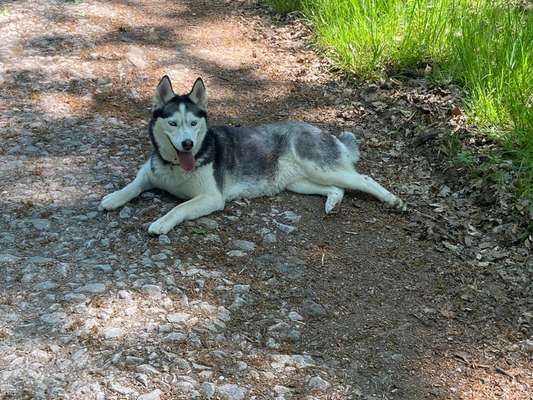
{"x": 334, "y": 194}
{"x": 352, "y": 180}
{"x": 116, "y": 199}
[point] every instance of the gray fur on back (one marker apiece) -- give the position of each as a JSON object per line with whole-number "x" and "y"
{"x": 251, "y": 154}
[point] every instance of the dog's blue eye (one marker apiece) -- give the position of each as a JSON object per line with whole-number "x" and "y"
{"x": 193, "y": 123}
{"x": 172, "y": 123}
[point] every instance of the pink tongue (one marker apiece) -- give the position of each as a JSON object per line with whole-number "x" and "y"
{"x": 186, "y": 160}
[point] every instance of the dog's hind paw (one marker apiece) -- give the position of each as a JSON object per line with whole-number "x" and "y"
{"x": 399, "y": 205}
{"x": 334, "y": 198}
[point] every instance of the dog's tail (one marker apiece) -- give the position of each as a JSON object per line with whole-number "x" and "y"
{"x": 352, "y": 144}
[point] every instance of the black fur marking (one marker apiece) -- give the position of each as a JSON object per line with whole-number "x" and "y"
{"x": 246, "y": 154}
{"x": 173, "y": 104}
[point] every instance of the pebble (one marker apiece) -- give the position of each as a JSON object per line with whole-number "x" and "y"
{"x": 46, "y": 285}
{"x": 207, "y": 223}
{"x": 152, "y": 291}
{"x": 8, "y": 258}
{"x": 244, "y": 245}
{"x": 124, "y": 390}
{"x": 176, "y": 337}
{"x": 124, "y": 295}
{"x": 185, "y": 387}
{"x": 313, "y": 310}
{"x": 153, "y": 395}
{"x": 285, "y": 228}
{"x": 178, "y": 318}
{"x": 142, "y": 379}
{"x": 147, "y": 369}
{"x": 40, "y": 224}
{"x": 125, "y": 213}
{"x": 292, "y": 217}
{"x": 236, "y": 253}
{"x": 53, "y": 318}
{"x": 113, "y": 333}
{"x": 92, "y": 288}
{"x": 208, "y": 389}
{"x": 164, "y": 239}
{"x": 316, "y": 382}
{"x": 270, "y": 238}
{"x": 240, "y": 290}
{"x": 294, "y": 316}
{"x": 231, "y": 391}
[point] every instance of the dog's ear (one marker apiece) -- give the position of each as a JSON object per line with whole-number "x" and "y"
{"x": 198, "y": 94}
{"x": 163, "y": 93}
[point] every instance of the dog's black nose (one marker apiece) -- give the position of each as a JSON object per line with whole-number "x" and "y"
{"x": 187, "y": 145}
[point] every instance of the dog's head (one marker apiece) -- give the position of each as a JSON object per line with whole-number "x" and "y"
{"x": 179, "y": 122}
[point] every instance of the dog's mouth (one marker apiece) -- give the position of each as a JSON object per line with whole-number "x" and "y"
{"x": 186, "y": 160}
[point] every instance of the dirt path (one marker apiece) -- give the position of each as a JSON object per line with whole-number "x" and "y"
{"x": 362, "y": 304}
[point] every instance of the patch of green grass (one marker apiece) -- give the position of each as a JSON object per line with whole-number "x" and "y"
{"x": 285, "y": 6}
{"x": 484, "y": 45}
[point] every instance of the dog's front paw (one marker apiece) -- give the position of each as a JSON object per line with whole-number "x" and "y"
{"x": 161, "y": 226}
{"x": 112, "y": 201}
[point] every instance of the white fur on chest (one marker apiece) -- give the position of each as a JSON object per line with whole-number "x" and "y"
{"x": 184, "y": 185}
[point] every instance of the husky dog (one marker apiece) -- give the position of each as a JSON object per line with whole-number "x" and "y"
{"x": 212, "y": 165}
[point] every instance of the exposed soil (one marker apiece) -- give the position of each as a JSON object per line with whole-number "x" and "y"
{"x": 361, "y": 304}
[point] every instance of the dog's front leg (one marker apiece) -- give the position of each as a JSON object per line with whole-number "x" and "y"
{"x": 117, "y": 199}
{"x": 191, "y": 209}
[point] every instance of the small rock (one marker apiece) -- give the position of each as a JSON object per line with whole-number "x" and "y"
{"x": 8, "y": 258}
{"x": 208, "y": 223}
{"x": 178, "y": 318}
{"x": 292, "y": 217}
{"x": 46, "y": 285}
{"x": 92, "y": 288}
{"x": 281, "y": 390}
{"x": 40, "y": 260}
{"x": 136, "y": 56}
{"x": 152, "y": 291}
{"x": 240, "y": 290}
{"x": 285, "y": 228}
{"x": 208, "y": 389}
{"x": 75, "y": 297}
{"x": 153, "y": 395}
{"x": 112, "y": 333}
{"x": 294, "y": 316}
{"x": 125, "y": 213}
{"x": 147, "y": 369}
{"x": 159, "y": 257}
{"x": 53, "y": 318}
{"x": 316, "y": 382}
{"x": 231, "y": 392}
{"x": 176, "y": 337}
{"x": 124, "y": 295}
{"x": 124, "y": 390}
{"x": 40, "y": 224}
{"x": 132, "y": 360}
{"x": 244, "y": 245}
{"x": 142, "y": 379}
{"x": 212, "y": 237}
{"x": 236, "y": 253}
{"x": 312, "y": 310}
{"x": 270, "y": 238}
{"x": 185, "y": 387}
{"x": 164, "y": 239}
